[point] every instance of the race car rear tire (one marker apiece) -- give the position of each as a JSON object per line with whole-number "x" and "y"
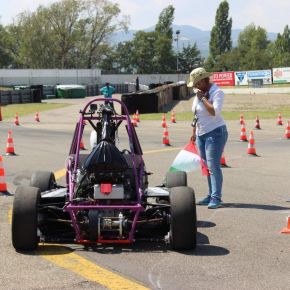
{"x": 24, "y": 218}
{"x": 44, "y": 180}
{"x": 182, "y": 218}
{"x": 173, "y": 179}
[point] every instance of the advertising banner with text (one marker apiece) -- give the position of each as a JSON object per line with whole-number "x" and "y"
{"x": 226, "y": 78}
{"x": 281, "y": 75}
{"x": 244, "y": 78}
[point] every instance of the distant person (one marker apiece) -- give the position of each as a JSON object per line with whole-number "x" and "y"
{"x": 137, "y": 84}
{"x": 107, "y": 91}
{"x": 209, "y": 131}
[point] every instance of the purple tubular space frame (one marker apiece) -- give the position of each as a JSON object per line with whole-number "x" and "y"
{"x": 71, "y": 174}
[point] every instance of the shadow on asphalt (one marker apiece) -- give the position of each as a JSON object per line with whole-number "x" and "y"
{"x": 49, "y": 249}
{"x": 255, "y": 206}
{"x": 205, "y": 224}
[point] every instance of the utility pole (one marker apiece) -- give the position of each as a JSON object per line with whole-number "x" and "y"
{"x": 177, "y": 49}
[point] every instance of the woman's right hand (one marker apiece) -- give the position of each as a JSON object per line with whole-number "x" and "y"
{"x": 193, "y": 137}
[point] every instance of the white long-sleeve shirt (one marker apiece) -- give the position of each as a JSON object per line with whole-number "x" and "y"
{"x": 206, "y": 122}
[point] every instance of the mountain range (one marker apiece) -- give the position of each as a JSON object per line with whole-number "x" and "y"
{"x": 188, "y": 35}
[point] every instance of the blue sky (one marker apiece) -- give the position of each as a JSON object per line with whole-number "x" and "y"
{"x": 270, "y": 14}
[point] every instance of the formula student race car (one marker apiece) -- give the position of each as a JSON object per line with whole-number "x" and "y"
{"x": 106, "y": 199}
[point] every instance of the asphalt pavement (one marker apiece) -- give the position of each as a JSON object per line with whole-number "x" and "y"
{"x": 239, "y": 246}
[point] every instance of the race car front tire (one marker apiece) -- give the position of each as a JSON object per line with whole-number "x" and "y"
{"x": 24, "y": 218}
{"x": 182, "y": 218}
{"x": 44, "y": 180}
{"x": 173, "y": 179}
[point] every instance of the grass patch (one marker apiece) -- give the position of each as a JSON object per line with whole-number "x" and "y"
{"x": 9, "y": 111}
{"x": 233, "y": 115}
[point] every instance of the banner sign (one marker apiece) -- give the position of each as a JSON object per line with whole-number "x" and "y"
{"x": 244, "y": 78}
{"x": 281, "y": 75}
{"x": 226, "y": 78}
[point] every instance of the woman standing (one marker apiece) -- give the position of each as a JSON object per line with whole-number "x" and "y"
{"x": 209, "y": 131}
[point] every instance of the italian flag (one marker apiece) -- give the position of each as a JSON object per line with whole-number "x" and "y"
{"x": 188, "y": 159}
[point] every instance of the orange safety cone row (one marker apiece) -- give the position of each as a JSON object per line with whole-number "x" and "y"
{"x": 0, "y": 114}
{"x": 287, "y": 229}
{"x": 279, "y": 119}
{"x": 223, "y": 161}
{"x": 173, "y": 120}
{"x": 36, "y": 117}
{"x": 242, "y": 120}
{"x": 3, "y": 185}
{"x": 257, "y": 126}
{"x": 16, "y": 121}
{"x": 251, "y": 145}
{"x": 166, "y": 137}
{"x": 82, "y": 145}
{"x": 163, "y": 122}
{"x": 10, "y": 147}
{"x": 137, "y": 116}
{"x": 243, "y": 136}
{"x": 287, "y": 131}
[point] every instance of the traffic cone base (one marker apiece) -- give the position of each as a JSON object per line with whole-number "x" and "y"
{"x": 223, "y": 162}
{"x": 287, "y": 229}
{"x": 279, "y": 120}
{"x": 82, "y": 145}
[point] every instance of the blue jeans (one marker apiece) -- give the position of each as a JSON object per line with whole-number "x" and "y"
{"x": 211, "y": 146}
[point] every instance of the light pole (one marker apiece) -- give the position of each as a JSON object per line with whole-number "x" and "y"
{"x": 177, "y": 49}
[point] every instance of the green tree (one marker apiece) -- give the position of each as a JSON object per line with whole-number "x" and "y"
{"x": 102, "y": 19}
{"x": 164, "y": 59}
{"x": 5, "y": 52}
{"x": 220, "y": 37}
{"x": 189, "y": 58}
{"x": 66, "y": 34}
{"x": 280, "y": 49}
{"x": 253, "y": 48}
{"x": 143, "y": 52}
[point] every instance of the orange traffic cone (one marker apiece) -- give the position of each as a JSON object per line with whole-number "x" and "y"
{"x": 10, "y": 146}
{"x": 223, "y": 161}
{"x": 242, "y": 120}
{"x": 251, "y": 145}
{"x": 137, "y": 116}
{"x": 3, "y": 186}
{"x": 243, "y": 136}
{"x": 36, "y": 117}
{"x": 0, "y": 114}
{"x": 16, "y": 121}
{"x": 287, "y": 229}
{"x": 257, "y": 126}
{"x": 287, "y": 131}
{"x": 82, "y": 145}
{"x": 279, "y": 120}
{"x": 165, "y": 137}
{"x": 173, "y": 120}
{"x": 134, "y": 121}
{"x": 163, "y": 122}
